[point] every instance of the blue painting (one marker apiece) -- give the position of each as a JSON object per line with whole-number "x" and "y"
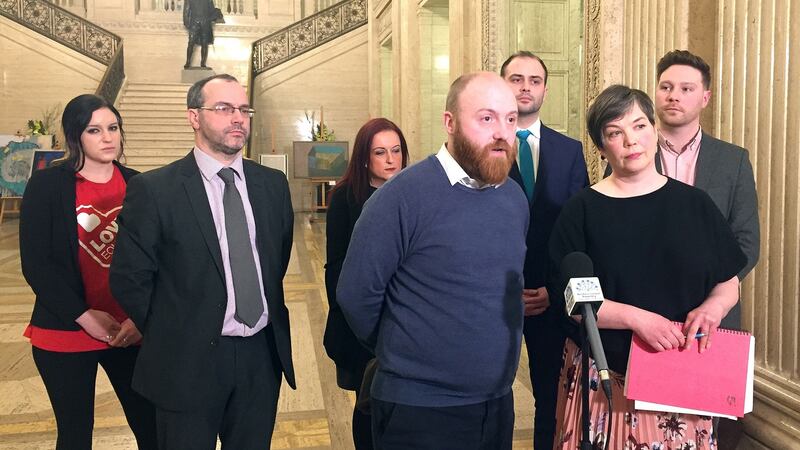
{"x": 16, "y": 160}
{"x": 320, "y": 160}
{"x": 326, "y": 161}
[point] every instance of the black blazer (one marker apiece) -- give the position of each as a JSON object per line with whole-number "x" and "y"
{"x": 561, "y": 174}
{"x": 48, "y": 247}
{"x": 340, "y": 343}
{"x": 167, "y": 274}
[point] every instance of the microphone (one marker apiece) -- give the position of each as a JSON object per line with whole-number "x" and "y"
{"x": 583, "y": 296}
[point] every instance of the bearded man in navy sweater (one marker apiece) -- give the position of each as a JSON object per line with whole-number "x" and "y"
{"x": 433, "y": 277}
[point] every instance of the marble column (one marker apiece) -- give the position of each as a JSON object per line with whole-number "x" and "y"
{"x": 758, "y": 107}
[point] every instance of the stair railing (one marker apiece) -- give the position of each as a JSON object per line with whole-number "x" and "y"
{"x": 75, "y": 32}
{"x": 307, "y": 34}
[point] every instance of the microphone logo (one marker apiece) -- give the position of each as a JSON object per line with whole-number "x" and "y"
{"x": 584, "y": 286}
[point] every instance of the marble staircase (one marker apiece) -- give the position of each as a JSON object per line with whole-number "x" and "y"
{"x": 156, "y": 128}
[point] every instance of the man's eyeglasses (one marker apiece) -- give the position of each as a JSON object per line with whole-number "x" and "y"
{"x": 228, "y": 110}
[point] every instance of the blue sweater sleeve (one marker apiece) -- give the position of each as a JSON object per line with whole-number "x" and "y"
{"x": 377, "y": 246}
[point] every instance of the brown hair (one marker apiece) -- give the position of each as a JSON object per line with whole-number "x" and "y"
{"x": 357, "y": 174}
{"x": 523, "y": 54}
{"x": 684, "y": 58}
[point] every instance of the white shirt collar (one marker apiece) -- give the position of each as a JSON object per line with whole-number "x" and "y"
{"x": 455, "y": 173}
{"x": 209, "y": 166}
{"x": 535, "y": 129}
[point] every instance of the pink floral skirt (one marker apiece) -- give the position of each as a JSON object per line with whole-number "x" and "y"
{"x": 631, "y": 429}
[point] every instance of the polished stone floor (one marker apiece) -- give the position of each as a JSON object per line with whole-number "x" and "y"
{"x": 316, "y": 416}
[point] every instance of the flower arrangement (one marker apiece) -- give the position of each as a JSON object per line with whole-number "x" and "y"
{"x": 323, "y": 133}
{"x": 45, "y": 125}
{"x": 37, "y": 127}
{"x": 319, "y": 131}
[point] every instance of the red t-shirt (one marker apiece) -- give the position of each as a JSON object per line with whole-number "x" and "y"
{"x": 96, "y": 208}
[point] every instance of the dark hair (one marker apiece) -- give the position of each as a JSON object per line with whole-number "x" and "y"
{"x": 76, "y": 117}
{"x": 357, "y": 174}
{"x": 194, "y": 98}
{"x": 523, "y": 54}
{"x": 684, "y": 58}
{"x": 614, "y": 102}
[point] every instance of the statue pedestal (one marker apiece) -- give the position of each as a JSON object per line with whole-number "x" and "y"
{"x": 195, "y": 74}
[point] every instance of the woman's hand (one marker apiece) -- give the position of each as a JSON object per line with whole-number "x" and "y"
{"x": 99, "y": 324}
{"x": 705, "y": 319}
{"x": 659, "y": 333}
{"x": 128, "y": 335}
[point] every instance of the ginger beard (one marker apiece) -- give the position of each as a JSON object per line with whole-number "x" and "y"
{"x": 483, "y": 163}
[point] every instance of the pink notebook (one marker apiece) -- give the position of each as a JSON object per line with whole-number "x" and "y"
{"x": 718, "y": 382}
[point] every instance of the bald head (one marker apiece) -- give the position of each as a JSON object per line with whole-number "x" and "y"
{"x": 481, "y": 119}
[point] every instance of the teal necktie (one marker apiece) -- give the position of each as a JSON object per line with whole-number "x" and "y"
{"x": 526, "y": 163}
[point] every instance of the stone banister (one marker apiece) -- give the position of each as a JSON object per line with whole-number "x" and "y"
{"x": 75, "y": 32}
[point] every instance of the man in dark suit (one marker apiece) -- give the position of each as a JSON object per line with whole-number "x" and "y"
{"x": 550, "y": 168}
{"x": 203, "y": 246}
{"x": 694, "y": 157}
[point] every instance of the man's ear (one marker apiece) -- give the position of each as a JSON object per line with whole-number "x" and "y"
{"x": 194, "y": 118}
{"x": 449, "y": 122}
{"x": 706, "y": 97}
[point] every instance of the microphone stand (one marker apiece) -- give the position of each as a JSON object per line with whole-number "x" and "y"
{"x": 589, "y": 340}
{"x": 586, "y": 443}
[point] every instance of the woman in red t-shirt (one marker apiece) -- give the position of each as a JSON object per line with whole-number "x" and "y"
{"x": 67, "y": 234}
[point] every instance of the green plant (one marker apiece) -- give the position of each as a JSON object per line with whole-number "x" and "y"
{"x": 318, "y": 131}
{"x": 323, "y": 133}
{"x": 47, "y": 124}
{"x": 36, "y": 127}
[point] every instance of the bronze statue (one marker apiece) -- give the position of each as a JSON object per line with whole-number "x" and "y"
{"x": 198, "y": 18}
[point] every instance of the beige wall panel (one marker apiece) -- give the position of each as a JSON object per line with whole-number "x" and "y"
{"x": 281, "y": 7}
{"x": 540, "y": 25}
{"x": 386, "y": 84}
{"x": 406, "y": 73}
{"x": 652, "y": 28}
{"x": 466, "y": 36}
{"x": 332, "y": 76}
{"x": 793, "y": 167}
{"x": 555, "y": 110}
{"x": 757, "y": 106}
{"x": 36, "y": 74}
{"x": 113, "y": 10}
{"x": 434, "y": 76}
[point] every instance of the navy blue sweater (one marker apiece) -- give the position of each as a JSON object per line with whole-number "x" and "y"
{"x": 433, "y": 282}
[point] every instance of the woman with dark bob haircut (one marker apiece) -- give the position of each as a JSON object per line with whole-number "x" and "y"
{"x": 379, "y": 152}
{"x": 663, "y": 254}
{"x": 67, "y": 232}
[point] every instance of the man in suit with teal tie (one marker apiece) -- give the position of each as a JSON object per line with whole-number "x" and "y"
{"x": 550, "y": 168}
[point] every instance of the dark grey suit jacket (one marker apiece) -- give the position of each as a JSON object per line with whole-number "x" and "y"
{"x": 724, "y": 172}
{"x": 167, "y": 274}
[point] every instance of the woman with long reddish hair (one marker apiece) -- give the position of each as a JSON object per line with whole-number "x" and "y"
{"x": 379, "y": 152}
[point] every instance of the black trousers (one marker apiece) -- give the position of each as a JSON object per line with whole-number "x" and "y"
{"x": 483, "y": 426}
{"x": 244, "y": 400}
{"x": 544, "y": 339}
{"x": 70, "y": 382}
{"x": 351, "y": 380}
